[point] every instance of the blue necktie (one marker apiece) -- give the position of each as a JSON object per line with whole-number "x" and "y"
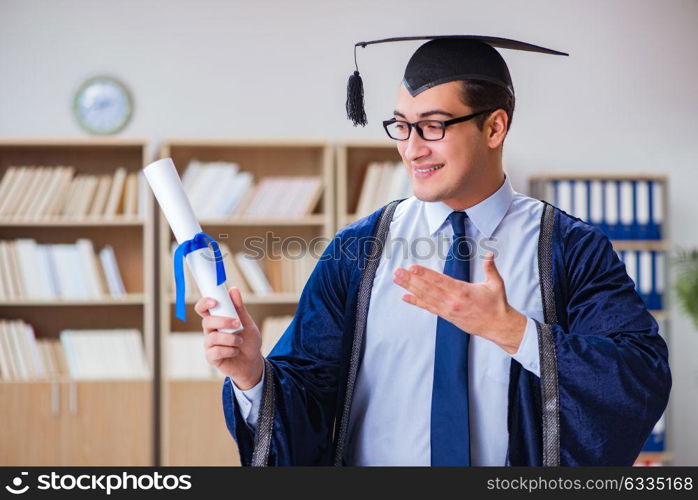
{"x": 450, "y": 432}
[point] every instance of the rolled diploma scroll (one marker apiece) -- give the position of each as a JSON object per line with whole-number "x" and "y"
{"x": 167, "y": 187}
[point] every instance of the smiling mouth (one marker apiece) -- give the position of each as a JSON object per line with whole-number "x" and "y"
{"x": 430, "y": 169}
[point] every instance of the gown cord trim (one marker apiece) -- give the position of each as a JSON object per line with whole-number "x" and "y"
{"x": 546, "y": 343}
{"x": 262, "y": 438}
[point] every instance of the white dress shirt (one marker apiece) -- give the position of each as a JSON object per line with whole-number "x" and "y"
{"x": 390, "y": 417}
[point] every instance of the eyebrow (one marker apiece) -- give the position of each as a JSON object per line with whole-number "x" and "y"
{"x": 426, "y": 113}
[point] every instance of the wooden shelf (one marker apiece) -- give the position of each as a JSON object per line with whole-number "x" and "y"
{"x": 68, "y": 222}
{"x": 310, "y": 220}
{"x": 640, "y": 245}
{"x": 129, "y": 299}
{"x": 353, "y": 159}
{"x": 61, "y": 421}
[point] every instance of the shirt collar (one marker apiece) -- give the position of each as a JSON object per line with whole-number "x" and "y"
{"x": 486, "y": 215}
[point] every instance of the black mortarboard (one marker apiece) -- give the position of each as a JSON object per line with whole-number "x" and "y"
{"x": 444, "y": 59}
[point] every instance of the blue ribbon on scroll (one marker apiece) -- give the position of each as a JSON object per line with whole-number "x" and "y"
{"x": 200, "y": 240}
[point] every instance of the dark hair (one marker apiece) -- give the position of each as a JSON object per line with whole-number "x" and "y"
{"x": 478, "y": 94}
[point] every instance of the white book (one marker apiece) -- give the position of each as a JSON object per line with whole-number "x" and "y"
{"x": 239, "y": 188}
{"x": 69, "y": 208}
{"x": 630, "y": 260}
{"x": 14, "y": 267}
{"x": 43, "y": 190}
{"x": 30, "y": 270}
{"x": 69, "y": 354}
{"x": 581, "y": 206}
{"x": 220, "y": 191}
{"x": 116, "y": 193}
{"x": 6, "y": 291}
{"x": 253, "y": 274}
{"x": 137, "y": 362}
{"x": 657, "y": 202}
{"x": 90, "y": 271}
{"x": 187, "y": 359}
{"x": 191, "y": 173}
{"x": 626, "y": 203}
{"x": 7, "y": 371}
{"x": 38, "y": 369}
{"x": 49, "y": 278}
{"x": 100, "y": 199}
{"x": 19, "y": 189}
{"x": 55, "y": 205}
{"x": 368, "y": 189}
{"x": 645, "y": 285}
{"x": 564, "y": 196}
{"x": 16, "y": 344}
{"x": 62, "y": 263}
{"x": 659, "y": 272}
{"x": 33, "y": 190}
{"x": 642, "y": 196}
{"x": 611, "y": 191}
{"x": 6, "y": 183}
{"x": 131, "y": 195}
{"x": 596, "y": 210}
{"x": 111, "y": 272}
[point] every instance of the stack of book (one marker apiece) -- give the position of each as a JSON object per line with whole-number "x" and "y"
{"x": 285, "y": 196}
{"x": 104, "y": 354}
{"x": 257, "y": 276}
{"x": 221, "y": 190}
{"x": 273, "y": 327}
{"x": 79, "y": 354}
{"x": 36, "y": 193}
{"x": 383, "y": 183}
{"x": 186, "y": 358}
{"x": 65, "y": 271}
{"x": 646, "y": 268}
{"x": 623, "y": 209}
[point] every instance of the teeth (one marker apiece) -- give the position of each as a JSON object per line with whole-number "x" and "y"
{"x": 421, "y": 170}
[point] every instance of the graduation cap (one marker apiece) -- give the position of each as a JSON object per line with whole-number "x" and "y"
{"x": 444, "y": 58}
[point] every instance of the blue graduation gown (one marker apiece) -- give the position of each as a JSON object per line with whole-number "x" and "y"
{"x": 604, "y": 378}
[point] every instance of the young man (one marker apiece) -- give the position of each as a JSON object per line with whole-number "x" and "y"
{"x": 413, "y": 344}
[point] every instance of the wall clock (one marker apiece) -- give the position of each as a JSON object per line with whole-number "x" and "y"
{"x": 102, "y": 105}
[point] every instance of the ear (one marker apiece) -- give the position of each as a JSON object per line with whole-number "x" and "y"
{"x": 496, "y": 126}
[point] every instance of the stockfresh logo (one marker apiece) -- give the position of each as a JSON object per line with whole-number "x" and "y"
{"x": 101, "y": 482}
{"x": 17, "y": 488}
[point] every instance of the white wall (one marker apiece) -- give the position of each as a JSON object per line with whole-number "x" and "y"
{"x": 625, "y": 100}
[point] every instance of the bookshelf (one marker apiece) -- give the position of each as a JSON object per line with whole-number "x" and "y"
{"x": 64, "y": 421}
{"x": 193, "y": 430}
{"x": 353, "y": 160}
{"x": 626, "y": 221}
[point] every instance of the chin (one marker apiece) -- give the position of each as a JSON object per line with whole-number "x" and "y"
{"x": 430, "y": 196}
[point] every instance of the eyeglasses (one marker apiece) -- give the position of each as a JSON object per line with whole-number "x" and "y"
{"x": 429, "y": 130}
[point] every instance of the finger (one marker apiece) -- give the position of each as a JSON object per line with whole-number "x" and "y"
{"x": 217, "y": 353}
{"x": 203, "y": 305}
{"x": 491, "y": 271}
{"x": 215, "y": 338}
{"x": 422, "y": 288}
{"x": 416, "y": 301}
{"x": 439, "y": 279}
{"x": 236, "y": 297}
{"x": 211, "y": 323}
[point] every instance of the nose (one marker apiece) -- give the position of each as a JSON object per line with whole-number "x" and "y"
{"x": 415, "y": 147}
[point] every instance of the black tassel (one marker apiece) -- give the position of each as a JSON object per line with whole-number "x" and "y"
{"x": 355, "y": 100}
